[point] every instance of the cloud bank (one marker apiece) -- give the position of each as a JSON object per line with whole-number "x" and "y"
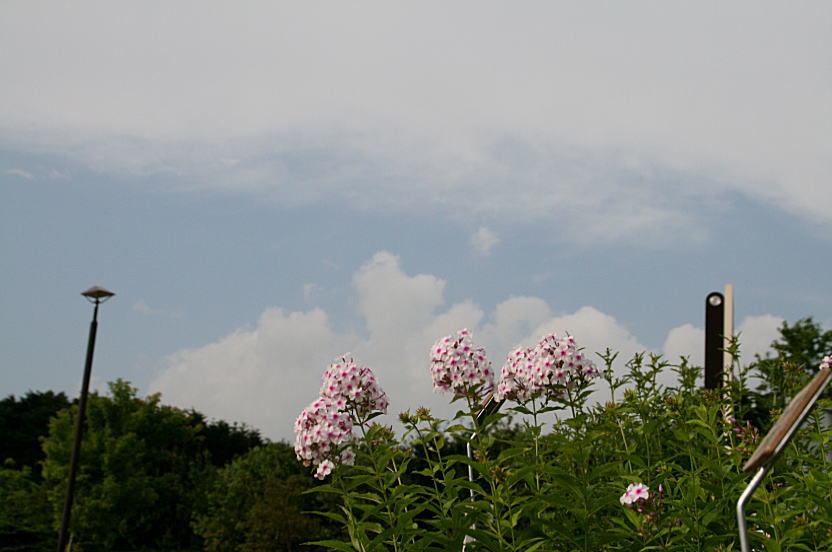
{"x": 265, "y": 375}
{"x": 615, "y": 119}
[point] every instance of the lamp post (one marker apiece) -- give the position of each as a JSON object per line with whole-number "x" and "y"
{"x": 95, "y": 295}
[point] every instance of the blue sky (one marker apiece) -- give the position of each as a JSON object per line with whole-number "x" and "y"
{"x": 267, "y": 186}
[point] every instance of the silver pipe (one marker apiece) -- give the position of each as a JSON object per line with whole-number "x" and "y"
{"x": 744, "y": 498}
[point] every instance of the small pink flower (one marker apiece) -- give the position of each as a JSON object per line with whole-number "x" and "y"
{"x": 324, "y": 469}
{"x": 348, "y": 457}
{"x": 634, "y": 493}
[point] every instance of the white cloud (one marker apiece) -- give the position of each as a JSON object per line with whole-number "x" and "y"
{"x": 584, "y": 113}
{"x": 595, "y": 331}
{"x": 484, "y": 240}
{"x": 393, "y": 302}
{"x": 20, "y": 173}
{"x": 265, "y": 375}
{"x": 685, "y": 341}
{"x": 515, "y": 322}
{"x": 755, "y": 334}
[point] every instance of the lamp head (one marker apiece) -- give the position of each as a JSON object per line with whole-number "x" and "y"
{"x": 97, "y": 294}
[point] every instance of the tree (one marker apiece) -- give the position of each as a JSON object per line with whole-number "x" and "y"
{"x": 24, "y": 422}
{"x": 25, "y": 516}
{"x": 223, "y": 441}
{"x": 257, "y": 503}
{"x": 140, "y": 475}
{"x": 799, "y": 351}
{"x": 25, "y": 521}
{"x": 804, "y": 344}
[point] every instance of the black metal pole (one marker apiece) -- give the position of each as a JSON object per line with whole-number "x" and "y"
{"x": 714, "y": 339}
{"x": 79, "y": 432}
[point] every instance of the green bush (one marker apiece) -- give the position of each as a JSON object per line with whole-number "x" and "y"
{"x": 555, "y": 482}
{"x": 257, "y": 503}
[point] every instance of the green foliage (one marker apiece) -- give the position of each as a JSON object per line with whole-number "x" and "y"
{"x": 141, "y": 475}
{"x": 25, "y": 515}
{"x": 555, "y": 483}
{"x": 223, "y": 441}
{"x": 24, "y": 422}
{"x": 799, "y": 351}
{"x": 257, "y": 503}
{"x": 804, "y": 344}
{"x": 25, "y": 521}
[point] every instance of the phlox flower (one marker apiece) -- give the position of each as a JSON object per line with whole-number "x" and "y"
{"x": 321, "y": 430}
{"x": 634, "y": 493}
{"x": 324, "y": 469}
{"x": 350, "y": 386}
{"x": 459, "y": 365}
{"x": 549, "y": 367}
{"x": 347, "y": 457}
{"x": 517, "y": 381}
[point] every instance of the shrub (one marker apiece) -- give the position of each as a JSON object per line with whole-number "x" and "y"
{"x": 655, "y": 468}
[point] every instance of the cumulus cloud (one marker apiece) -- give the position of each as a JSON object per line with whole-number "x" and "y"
{"x": 755, "y": 335}
{"x": 685, "y": 341}
{"x": 484, "y": 240}
{"x": 266, "y": 374}
{"x": 514, "y": 322}
{"x": 549, "y": 109}
{"x": 263, "y": 376}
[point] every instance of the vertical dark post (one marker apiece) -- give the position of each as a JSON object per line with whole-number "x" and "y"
{"x": 714, "y": 339}
{"x": 79, "y": 432}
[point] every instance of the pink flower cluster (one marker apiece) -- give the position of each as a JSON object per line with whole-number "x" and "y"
{"x": 826, "y": 362}
{"x": 634, "y": 493}
{"x": 459, "y": 365}
{"x": 352, "y": 386}
{"x": 320, "y": 430}
{"x": 323, "y": 431}
{"x": 548, "y": 367}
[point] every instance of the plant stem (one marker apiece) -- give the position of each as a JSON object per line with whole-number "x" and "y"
{"x": 536, "y": 432}
{"x": 431, "y": 465}
{"x": 379, "y": 471}
{"x": 624, "y": 440}
{"x": 352, "y": 526}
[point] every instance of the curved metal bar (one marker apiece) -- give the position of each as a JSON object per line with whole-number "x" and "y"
{"x": 744, "y": 498}
{"x": 776, "y": 440}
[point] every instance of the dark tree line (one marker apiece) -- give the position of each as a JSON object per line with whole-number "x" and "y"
{"x": 146, "y": 473}
{"x": 23, "y": 423}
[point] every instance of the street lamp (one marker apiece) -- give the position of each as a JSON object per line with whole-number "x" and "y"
{"x": 95, "y": 295}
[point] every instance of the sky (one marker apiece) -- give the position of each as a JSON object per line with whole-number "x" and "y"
{"x": 269, "y": 185}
